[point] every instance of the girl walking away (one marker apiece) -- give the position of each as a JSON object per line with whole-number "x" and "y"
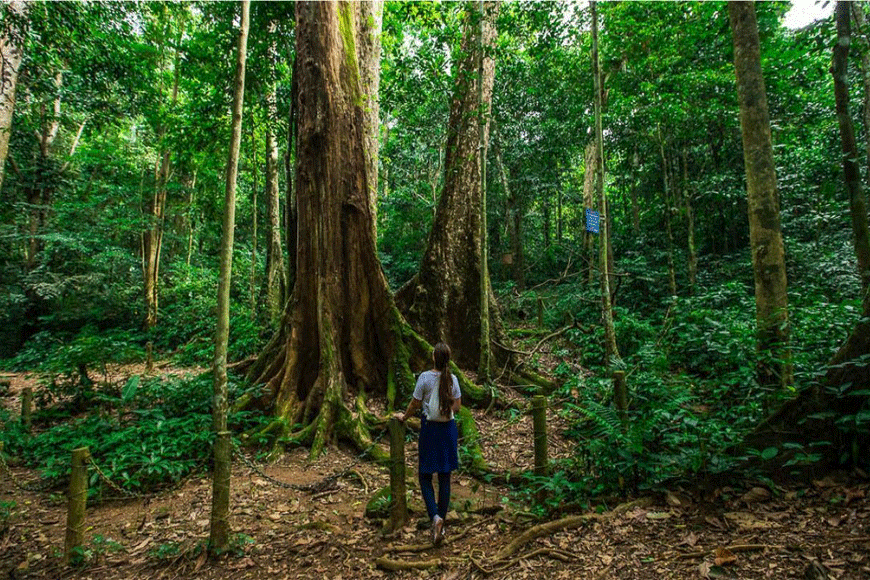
{"x": 437, "y": 393}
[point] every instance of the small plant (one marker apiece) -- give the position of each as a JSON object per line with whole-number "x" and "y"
{"x": 102, "y": 546}
{"x": 6, "y": 511}
{"x": 165, "y": 551}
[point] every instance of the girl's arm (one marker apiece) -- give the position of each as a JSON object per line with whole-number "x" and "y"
{"x": 413, "y": 406}
{"x": 456, "y": 404}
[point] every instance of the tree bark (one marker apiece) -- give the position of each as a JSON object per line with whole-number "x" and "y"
{"x": 690, "y": 226}
{"x": 445, "y": 300}
{"x": 11, "y": 53}
{"x": 290, "y": 221}
{"x": 253, "y": 291}
{"x": 514, "y": 217}
{"x": 484, "y": 364}
{"x": 666, "y": 183}
{"x": 369, "y": 39}
{"x": 589, "y": 202}
{"x": 768, "y": 252}
{"x": 611, "y": 351}
{"x": 275, "y": 288}
{"x": 851, "y": 171}
{"x": 220, "y": 526}
{"x": 860, "y": 21}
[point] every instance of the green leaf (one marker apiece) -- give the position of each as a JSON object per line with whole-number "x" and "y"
{"x": 130, "y": 388}
{"x": 769, "y": 453}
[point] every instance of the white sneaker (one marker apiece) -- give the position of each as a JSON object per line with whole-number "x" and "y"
{"x": 437, "y": 530}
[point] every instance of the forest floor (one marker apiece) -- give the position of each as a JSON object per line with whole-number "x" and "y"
{"x": 817, "y": 530}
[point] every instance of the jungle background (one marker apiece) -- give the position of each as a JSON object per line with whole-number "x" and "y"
{"x": 110, "y": 243}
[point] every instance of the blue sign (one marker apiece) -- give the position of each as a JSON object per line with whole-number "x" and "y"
{"x": 591, "y": 221}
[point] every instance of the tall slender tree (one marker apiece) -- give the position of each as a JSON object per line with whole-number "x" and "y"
{"x": 765, "y": 233}
{"x": 851, "y": 170}
{"x": 220, "y": 525}
{"x": 611, "y": 350}
{"x": 152, "y": 237}
{"x": 275, "y": 282}
{"x": 11, "y": 53}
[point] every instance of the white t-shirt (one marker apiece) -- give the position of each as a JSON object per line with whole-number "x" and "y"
{"x": 427, "y": 386}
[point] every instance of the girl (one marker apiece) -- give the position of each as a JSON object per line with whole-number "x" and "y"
{"x": 437, "y": 393}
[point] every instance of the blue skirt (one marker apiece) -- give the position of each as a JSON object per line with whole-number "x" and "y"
{"x": 438, "y": 446}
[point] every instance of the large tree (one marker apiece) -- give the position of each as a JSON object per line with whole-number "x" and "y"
{"x": 11, "y": 51}
{"x": 851, "y": 170}
{"x": 766, "y": 245}
{"x": 342, "y": 337}
{"x": 444, "y": 299}
{"x": 220, "y": 528}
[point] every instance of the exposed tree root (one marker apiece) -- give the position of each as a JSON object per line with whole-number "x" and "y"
{"x": 548, "y": 528}
{"x": 502, "y": 560}
{"x": 398, "y": 565}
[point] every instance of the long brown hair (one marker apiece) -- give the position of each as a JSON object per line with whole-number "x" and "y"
{"x": 441, "y": 355}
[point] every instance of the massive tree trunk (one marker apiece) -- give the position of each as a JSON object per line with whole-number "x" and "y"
{"x": 11, "y": 53}
{"x": 341, "y": 336}
{"x": 444, "y": 300}
{"x": 851, "y": 171}
{"x": 768, "y": 252}
{"x": 220, "y": 527}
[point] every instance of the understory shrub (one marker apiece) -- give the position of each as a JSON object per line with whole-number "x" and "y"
{"x": 155, "y": 432}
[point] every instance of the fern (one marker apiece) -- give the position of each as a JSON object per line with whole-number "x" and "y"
{"x": 606, "y": 420}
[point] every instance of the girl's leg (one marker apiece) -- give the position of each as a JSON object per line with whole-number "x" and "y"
{"x": 443, "y": 493}
{"x": 429, "y": 493}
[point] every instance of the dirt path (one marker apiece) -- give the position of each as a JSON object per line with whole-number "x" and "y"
{"x": 290, "y": 534}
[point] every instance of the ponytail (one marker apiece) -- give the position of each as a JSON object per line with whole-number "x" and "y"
{"x": 445, "y": 381}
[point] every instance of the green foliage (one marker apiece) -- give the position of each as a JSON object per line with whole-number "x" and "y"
{"x": 165, "y": 551}
{"x": 188, "y": 324}
{"x": 144, "y": 441}
{"x": 89, "y": 348}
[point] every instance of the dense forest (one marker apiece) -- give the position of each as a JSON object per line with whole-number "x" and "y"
{"x": 652, "y": 213}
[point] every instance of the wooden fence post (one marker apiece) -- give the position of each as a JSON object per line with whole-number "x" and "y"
{"x": 398, "y": 492}
{"x": 26, "y": 406}
{"x": 78, "y": 497}
{"x": 539, "y": 421}
{"x": 149, "y": 357}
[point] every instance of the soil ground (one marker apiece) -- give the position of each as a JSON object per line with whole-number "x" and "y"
{"x": 817, "y": 530}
